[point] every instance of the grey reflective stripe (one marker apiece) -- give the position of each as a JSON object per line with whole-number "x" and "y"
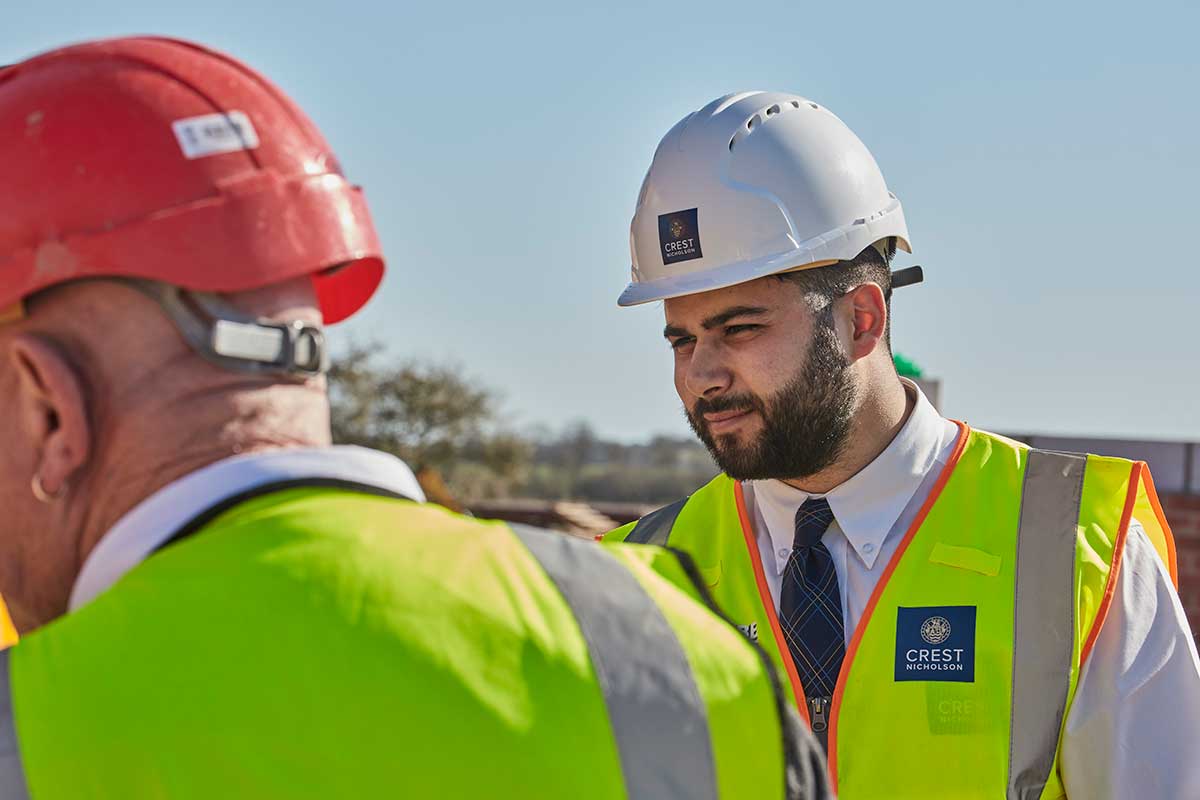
{"x": 1044, "y": 624}
{"x": 655, "y": 527}
{"x": 12, "y": 774}
{"x": 658, "y": 718}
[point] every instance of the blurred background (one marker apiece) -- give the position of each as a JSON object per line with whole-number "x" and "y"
{"x": 1045, "y": 153}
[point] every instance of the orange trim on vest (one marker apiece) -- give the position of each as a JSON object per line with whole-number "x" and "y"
{"x": 1152, "y": 495}
{"x": 765, "y": 596}
{"x": 1110, "y": 588}
{"x": 8, "y": 631}
{"x": 860, "y": 629}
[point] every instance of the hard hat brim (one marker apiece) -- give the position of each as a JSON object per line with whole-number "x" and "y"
{"x": 841, "y": 244}
{"x": 265, "y": 233}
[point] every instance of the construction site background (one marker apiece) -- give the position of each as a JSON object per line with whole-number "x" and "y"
{"x": 1175, "y": 466}
{"x": 468, "y": 457}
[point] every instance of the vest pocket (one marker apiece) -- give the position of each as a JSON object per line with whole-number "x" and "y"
{"x": 966, "y": 558}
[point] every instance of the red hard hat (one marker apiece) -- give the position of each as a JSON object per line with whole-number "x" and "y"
{"x": 161, "y": 159}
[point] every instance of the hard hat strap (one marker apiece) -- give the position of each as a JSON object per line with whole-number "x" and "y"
{"x": 234, "y": 341}
{"x": 908, "y": 276}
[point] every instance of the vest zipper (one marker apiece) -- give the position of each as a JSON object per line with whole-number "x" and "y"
{"x": 818, "y": 714}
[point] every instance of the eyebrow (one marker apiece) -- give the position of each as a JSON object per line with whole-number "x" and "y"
{"x": 717, "y": 320}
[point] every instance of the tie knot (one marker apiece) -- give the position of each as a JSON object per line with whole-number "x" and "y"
{"x": 812, "y": 519}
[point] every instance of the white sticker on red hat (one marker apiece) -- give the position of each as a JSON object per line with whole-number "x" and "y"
{"x": 212, "y": 134}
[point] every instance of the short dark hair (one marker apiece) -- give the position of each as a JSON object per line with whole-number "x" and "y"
{"x": 831, "y": 282}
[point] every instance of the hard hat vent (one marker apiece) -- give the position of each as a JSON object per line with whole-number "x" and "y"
{"x": 761, "y": 116}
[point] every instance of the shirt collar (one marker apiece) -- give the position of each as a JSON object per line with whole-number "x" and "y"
{"x": 149, "y": 524}
{"x": 867, "y": 505}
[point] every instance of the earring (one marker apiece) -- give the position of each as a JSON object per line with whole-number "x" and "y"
{"x": 40, "y": 492}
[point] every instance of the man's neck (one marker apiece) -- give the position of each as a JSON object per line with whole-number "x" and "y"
{"x": 879, "y": 419}
{"x": 142, "y": 455}
{"x": 85, "y": 513}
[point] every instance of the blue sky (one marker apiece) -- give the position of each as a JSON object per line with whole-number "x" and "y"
{"x": 1046, "y": 154}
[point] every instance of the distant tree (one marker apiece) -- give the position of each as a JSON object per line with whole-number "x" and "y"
{"x": 504, "y": 453}
{"x": 427, "y": 414}
{"x": 664, "y": 451}
{"x": 577, "y": 464}
{"x": 577, "y": 443}
{"x": 449, "y": 431}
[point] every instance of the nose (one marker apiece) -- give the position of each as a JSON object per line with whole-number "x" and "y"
{"x": 706, "y": 373}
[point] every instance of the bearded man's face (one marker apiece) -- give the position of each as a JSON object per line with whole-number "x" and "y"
{"x": 763, "y": 379}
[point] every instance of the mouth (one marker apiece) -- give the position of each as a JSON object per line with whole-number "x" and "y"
{"x": 726, "y": 421}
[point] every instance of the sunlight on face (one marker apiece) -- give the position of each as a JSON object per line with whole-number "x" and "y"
{"x": 762, "y": 379}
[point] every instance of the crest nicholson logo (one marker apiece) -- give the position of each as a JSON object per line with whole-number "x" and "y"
{"x": 935, "y": 630}
{"x": 936, "y": 644}
{"x": 679, "y": 236}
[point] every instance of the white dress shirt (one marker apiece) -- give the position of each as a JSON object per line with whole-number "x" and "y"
{"x": 1135, "y": 722}
{"x": 152, "y": 522}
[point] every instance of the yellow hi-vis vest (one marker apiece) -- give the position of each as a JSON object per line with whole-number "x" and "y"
{"x": 958, "y": 679}
{"x": 319, "y": 641}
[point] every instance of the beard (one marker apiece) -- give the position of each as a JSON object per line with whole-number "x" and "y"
{"x": 805, "y": 425}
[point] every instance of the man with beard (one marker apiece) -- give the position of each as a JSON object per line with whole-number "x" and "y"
{"x": 958, "y": 615}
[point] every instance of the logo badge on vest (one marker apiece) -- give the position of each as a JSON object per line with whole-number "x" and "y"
{"x": 749, "y": 631}
{"x": 935, "y": 643}
{"x": 679, "y": 236}
{"x": 935, "y": 630}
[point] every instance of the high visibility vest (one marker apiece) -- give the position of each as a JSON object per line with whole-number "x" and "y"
{"x": 323, "y": 642}
{"x": 958, "y": 678}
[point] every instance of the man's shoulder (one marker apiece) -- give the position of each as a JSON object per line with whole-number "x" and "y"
{"x": 1019, "y": 444}
{"x": 719, "y": 485}
{"x": 619, "y": 534}
{"x": 979, "y": 434}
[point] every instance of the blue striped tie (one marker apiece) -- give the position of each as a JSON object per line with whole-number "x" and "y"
{"x": 810, "y": 609}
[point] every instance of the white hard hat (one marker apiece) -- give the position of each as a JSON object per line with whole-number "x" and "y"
{"x": 754, "y": 184}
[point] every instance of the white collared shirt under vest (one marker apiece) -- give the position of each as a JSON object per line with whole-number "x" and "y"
{"x": 1134, "y": 727}
{"x": 148, "y": 525}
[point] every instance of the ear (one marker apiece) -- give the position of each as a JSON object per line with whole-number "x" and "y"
{"x": 869, "y": 319}
{"x": 52, "y": 408}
